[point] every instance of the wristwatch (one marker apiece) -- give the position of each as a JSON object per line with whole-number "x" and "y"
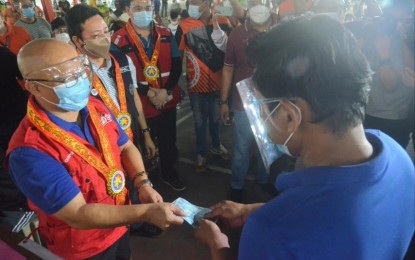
{"x": 145, "y": 130}
{"x": 223, "y": 102}
{"x": 142, "y": 183}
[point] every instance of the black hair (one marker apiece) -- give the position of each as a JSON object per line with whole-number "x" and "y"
{"x": 127, "y": 3}
{"x": 76, "y": 18}
{"x": 122, "y": 4}
{"x": 184, "y": 14}
{"x": 174, "y": 14}
{"x": 319, "y": 61}
{"x": 57, "y": 22}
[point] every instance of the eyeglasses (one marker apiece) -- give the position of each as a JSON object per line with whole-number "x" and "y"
{"x": 139, "y": 8}
{"x": 68, "y": 72}
{"x": 100, "y": 36}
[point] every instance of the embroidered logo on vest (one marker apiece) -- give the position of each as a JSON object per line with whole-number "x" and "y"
{"x": 193, "y": 70}
{"x": 105, "y": 119}
{"x": 68, "y": 157}
{"x": 125, "y": 69}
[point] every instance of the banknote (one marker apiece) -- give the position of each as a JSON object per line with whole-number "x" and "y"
{"x": 194, "y": 213}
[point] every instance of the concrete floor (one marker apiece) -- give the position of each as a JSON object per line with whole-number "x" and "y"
{"x": 203, "y": 189}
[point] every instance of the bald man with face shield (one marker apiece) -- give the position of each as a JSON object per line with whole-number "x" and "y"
{"x": 71, "y": 159}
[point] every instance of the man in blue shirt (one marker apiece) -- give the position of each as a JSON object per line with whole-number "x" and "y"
{"x": 355, "y": 198}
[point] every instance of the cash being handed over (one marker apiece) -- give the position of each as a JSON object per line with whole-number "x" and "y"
{"x": 194, "y": 213}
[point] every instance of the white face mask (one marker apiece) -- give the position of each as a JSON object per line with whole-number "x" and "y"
{"x": 194, "y": 11}
{"x": 259, "y": 14}
{"x": 282, "y": 148}
{"x": 63, "y": 37}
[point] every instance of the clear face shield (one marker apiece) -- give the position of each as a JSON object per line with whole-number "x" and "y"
{"x": 71, "y": 81}
{"x": 256, "y": 109}
{"x": 67, "y": 72}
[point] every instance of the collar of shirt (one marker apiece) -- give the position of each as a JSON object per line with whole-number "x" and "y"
{"x": 108, "y": 63}
{"x": 73, "y": 127}
{"x": 369, "y": 171}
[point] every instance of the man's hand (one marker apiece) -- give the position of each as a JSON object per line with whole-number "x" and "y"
{"x": 160, "y": 97}
{"x": 150, "y": 146}
{"x": 147, "y": 194}
{"x": 161, "y": 94}
{"x": 215, "y": 17}
{"x": 232, "y": 213}
{"x": 151, "y": 94}
{"x": 208, "y": 233}
{"x": 224, "y": 113}
{"x": 164, "y": 214}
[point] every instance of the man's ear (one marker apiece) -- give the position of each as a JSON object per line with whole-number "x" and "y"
{"x": 32, "y": 88}
{"x": 77, "y": 42}
{"x": 292, "y": 114}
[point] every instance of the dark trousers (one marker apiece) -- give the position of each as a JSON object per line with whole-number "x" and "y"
{"x": 164, "y": 9}
{"x": 163, "y": 132}
{"x": 120, "y": 250}
{"x": 399, "y": 130}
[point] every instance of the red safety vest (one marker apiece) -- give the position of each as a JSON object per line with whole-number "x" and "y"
{"x": 61, "y": 239}
{"x": 125, "y": 43}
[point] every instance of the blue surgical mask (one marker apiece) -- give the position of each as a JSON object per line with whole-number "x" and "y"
{"x": 143, "y": 18}
{"x": 194, "y": 11}
{"x": 71, "y": 98}
{"x": 28, "y": 12}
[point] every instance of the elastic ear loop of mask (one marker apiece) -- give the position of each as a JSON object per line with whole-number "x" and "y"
{"x": 273, "y": 124}
{"x": 47, "y": 100}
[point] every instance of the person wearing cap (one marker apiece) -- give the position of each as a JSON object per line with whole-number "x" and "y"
{"x": 71, "y": 159}
{"x": 355, "y": 196}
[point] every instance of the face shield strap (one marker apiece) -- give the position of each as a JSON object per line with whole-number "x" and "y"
{"x": 277, "y": 128}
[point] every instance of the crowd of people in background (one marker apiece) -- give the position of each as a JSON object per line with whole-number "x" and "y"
{"x": 132, "y": 52}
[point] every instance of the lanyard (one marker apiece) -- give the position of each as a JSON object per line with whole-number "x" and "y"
{"x": 115, "y": 178}
{"x": 122, "y": 115}
{"x": 151, "y": 71}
